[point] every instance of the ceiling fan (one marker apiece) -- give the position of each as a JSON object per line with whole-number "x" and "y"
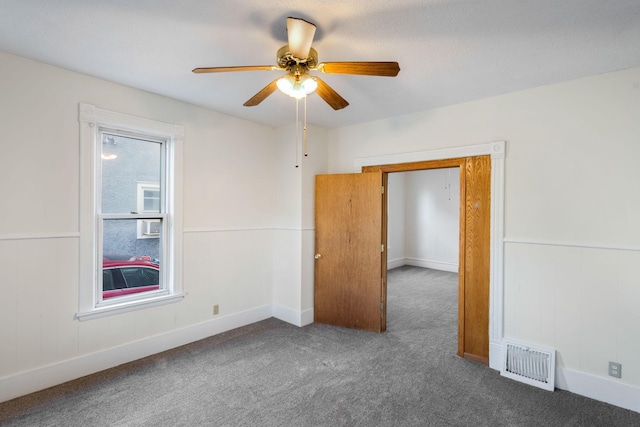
{"x": 297, "y": 59}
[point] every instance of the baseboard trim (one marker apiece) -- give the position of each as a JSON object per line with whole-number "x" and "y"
{"x": 306, "y": 317}
{"x": 436, "y": 265}
{"x": 23, "y": 383}
{"x": 295, "y": 317}
{"x": 396, "y": 263}
{"x": 592, "y": 386}
{"x": 599, "y": 388}
{"x": 495, "y": 355}
{"x": 424, "y": 263}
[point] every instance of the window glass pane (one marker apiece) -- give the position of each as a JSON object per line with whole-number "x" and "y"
{"x": 107, "y": 280}
{"x": 140, "y": 276}
{"x": 125, "y": 162}
{"x": 120, "y": 240}
{"x": 121, "y": 281}
{"x": 151, "y": 201}
{"x": 127, "y": 260}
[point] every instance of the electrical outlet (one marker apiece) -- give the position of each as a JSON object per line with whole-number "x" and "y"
{"x": 216, "y": 309}
{"x": 615, "y": 369}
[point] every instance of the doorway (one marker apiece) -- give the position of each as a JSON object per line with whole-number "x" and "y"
{"x": 474, "y": 253}
{"x": 423, "y": 221}
{"x": 493, "y": 189}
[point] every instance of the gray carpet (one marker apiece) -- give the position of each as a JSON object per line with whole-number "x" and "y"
{"x": 275, "y": 374}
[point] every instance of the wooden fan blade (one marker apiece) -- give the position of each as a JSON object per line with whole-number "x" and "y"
{"x": 300, "y": 34}
{"x": 329, "y": 95}
{"x": 388, "y": 69}
{"x": 240, "y": 68}
{"x": 262, "y": 95}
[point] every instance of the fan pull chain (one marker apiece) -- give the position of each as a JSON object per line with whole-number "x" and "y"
{"x": 297, "y": 135}
{"x": 304, "y": 129}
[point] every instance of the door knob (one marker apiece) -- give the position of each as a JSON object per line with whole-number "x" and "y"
{"x": 318, "y": 256}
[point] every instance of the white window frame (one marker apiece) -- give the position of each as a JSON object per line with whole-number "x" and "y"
{"x": 93, "y": 121}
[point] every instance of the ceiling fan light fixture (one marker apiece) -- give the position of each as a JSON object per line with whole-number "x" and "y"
{"x": 309, "y": 85}
{"x": 297, "y": 86}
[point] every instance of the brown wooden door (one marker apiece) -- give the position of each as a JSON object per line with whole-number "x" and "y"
{"x": 349, "y": 283}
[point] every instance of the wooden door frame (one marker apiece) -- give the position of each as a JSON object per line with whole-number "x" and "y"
{"x": 462, "y": 219}
{"x": 455, "y": 157}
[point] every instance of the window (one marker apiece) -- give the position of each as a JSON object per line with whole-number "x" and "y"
{"x": 129, "y": 240}
{"x": 148, "y": 197}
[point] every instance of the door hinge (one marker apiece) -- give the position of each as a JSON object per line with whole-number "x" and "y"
{"x": 383, "y": 189}
{"x": 382, "y": 248}
{"x": 381, "y": 306}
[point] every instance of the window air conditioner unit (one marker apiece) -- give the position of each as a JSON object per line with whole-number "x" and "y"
{"x": 151, "y": 227}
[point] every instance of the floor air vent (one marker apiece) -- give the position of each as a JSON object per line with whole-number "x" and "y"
{"x": 535, "y": 366}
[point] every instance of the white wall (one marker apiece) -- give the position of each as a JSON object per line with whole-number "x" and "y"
{"x": 294, "y": 222}
{"x": 396, "y": 255}
{"x": 430, "y": 224}
{"x": 228, "y": 195}
{"x": 571, "y": 202}
{"x": 432, "y": 218}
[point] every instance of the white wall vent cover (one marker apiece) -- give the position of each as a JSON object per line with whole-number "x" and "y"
{"x": 533, "y": 365}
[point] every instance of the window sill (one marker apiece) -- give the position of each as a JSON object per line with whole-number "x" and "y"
{"x": 129, "y": 306}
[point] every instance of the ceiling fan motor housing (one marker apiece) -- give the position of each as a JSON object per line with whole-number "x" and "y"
{"x": 287, "y": 61}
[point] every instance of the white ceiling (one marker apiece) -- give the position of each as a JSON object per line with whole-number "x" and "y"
{"x": 450, "y": 51}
